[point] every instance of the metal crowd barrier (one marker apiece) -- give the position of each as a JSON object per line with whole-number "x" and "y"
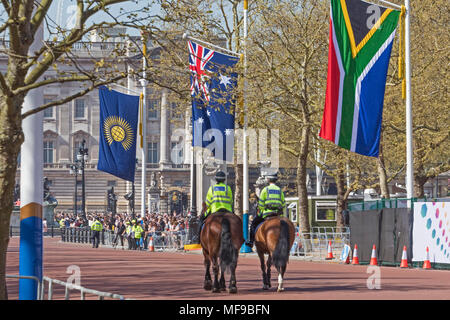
{"x": 162, "y": 240}
{"x": 68, "y": 287}
{"x": 314, "y": 245}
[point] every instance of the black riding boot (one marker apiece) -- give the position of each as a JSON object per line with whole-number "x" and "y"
{"x": 200, "y": 226}
{"x": 255, "y": 222}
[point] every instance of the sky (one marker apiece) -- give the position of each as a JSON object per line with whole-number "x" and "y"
{"x": 63, "y": 13}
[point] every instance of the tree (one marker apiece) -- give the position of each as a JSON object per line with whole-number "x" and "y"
{"x": 287, "y": 64}
{"x": 429, "y": 85}
{"x": 20, "y": 22}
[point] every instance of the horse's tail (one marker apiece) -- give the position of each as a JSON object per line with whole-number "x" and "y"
{"x": 228, "y": 252}
{"x": 280, "y": 255}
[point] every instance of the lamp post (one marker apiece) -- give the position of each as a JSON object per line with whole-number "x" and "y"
{"x": 82, "y": 157}
{"x": 74, "y": 168}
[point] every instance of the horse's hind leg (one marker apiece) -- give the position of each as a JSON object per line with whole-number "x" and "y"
{"x": 281, "y": 271}
{"x": 222, "y": 285}
{"x": 207, "y": 285}
{"x": 215, "y": 267}
{"x": 269, "y": 265}
{"x": 232, "y": 288}
{"x": 263, "y": 269}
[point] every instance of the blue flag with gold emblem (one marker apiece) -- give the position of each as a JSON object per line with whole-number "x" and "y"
{"x": 118, "y": 125}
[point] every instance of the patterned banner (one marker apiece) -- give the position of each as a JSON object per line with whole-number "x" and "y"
{"x": 431, "y": 229}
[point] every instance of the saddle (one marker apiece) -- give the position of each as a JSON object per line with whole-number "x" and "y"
{"x": 274, "y": 215}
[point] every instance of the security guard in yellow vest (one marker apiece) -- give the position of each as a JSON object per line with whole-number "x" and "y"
{"x": 138, "y": 230}
{"x": 128, "y": 234}
{"x": 96, "y": 228}
{"x": 218, "y": 199}
{"x": 271, "y": 202}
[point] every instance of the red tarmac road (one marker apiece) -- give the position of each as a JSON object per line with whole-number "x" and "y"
{"x": 173, "y": 276}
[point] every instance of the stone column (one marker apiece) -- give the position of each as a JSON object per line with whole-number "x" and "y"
{"x": 164, "y": 159}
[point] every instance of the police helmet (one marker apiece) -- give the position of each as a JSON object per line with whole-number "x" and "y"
{"x": 272, "y": 177}
{"x": 220, "y": 176}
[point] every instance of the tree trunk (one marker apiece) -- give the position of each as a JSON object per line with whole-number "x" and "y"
{"x": 382, "y": 174}
{"x": 304, "y": 225}
{"x": 341, "y": 201}
{"x": 11, "y": 138}
{"x": 238, "y": 175}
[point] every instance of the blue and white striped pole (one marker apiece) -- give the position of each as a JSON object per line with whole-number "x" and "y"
{"x": 31, "y": 189}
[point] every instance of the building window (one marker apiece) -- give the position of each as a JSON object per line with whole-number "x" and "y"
{"x": 152, "y": 109}
{"x": 76, "y": 147}
{"x": 175, "y": 111}
{"x": 176, "y": 153}
{"x": 79, "y": 109}
{"x": 48, "y": 113}
{"x": 153, "y": 156}
{"x": 111, "y": 183}
{"x": 325, "y": 211}
{"x": 48, "y": 151}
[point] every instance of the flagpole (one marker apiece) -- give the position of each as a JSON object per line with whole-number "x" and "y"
{"x": 31, "y": 188}
{"x": 144, "y": 126}
{"x": 245, "y": 248}
{"x": 409, "y": 139}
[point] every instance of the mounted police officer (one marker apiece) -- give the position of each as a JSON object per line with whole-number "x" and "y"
{"x": 271, "y": 203}
{"x": 218, "y": 199}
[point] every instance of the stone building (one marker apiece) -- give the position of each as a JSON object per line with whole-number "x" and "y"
{"x": 68, "y": 125}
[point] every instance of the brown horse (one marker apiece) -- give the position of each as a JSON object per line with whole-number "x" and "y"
{"x": 221, "y": 240}
{"x": 274, "y": 237}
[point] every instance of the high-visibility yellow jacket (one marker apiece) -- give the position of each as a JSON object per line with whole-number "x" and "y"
{"x": 137, "y": 231}
{"x": 97, "y": 226}
{"x": 271, "y": 200}
{"x": 219, "y": 196}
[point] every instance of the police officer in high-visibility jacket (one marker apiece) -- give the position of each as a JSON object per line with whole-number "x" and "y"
{"x": 138, "y": 231}
{"x": 271, "y": 202}
{"x": 96, "y": 228}
{"x": 218, "y": 199}
{"x": 128, "y": 235}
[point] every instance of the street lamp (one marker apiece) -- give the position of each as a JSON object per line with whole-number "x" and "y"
{"x": 131, "y": 196}
{"x": 82, "y": 157}
{"x": 75, "y": 169}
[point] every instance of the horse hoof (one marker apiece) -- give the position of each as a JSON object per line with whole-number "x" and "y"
{"x": 207, "y": 286}
{"x": 266, "y": 287}
{"x": 280, "y": 289}
{"x": 232, "y": 290}
{"x": 216, "y": 290}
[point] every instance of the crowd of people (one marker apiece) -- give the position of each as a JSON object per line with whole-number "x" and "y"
{"x": 122, "y": 226}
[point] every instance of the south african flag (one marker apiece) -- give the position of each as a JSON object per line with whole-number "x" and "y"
{"x": 361, "y": 38}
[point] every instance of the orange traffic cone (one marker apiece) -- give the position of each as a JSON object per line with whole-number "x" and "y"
{"x": 330, "y": 252}
{"x": 404, "y": 262}
{"x": 373, "y": 258}
{"x": 151, "y": 248}
{"x": 355, "y": 259}
{"x": 426, "y": 263}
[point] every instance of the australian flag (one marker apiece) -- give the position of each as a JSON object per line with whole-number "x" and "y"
{"x": 213, "y": 92}
{"x": 118, "y": 123}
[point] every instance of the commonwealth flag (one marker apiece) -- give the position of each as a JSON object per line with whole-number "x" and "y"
{"x": 361, "y": 38}
{"x": 213, "y": 84}
{"x": 118, "y": 123}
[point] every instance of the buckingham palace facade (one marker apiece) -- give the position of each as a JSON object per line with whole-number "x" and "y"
{"x": 66, "y": 127}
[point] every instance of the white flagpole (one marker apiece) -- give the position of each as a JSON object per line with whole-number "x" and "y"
{"x": 31, "y": 187}
{"x": 144, "y": 128}
{"x": 245, "y": 151}
{"x": 409, "y": 142}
